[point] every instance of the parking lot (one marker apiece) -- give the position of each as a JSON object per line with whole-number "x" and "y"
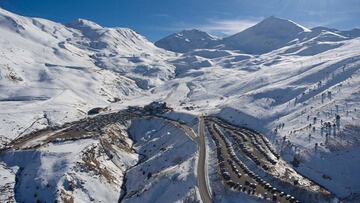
{"x": 234, "y": 173}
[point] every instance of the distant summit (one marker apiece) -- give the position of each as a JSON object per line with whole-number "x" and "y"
{"x": 82, "y": 23}
{"x": 269, "y": 34}
{"x": 186, "y": 40}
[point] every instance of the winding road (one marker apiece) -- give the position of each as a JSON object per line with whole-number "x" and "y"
{"x": 245, "y": 155}
{"x": 199, "y": 138}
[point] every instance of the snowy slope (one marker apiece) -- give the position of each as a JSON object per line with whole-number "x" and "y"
{"x": 286, "y": 86}
{"x": 82, "y": 46}
{"x": 62, "y": 71}
{"x": 7, "y": 184}
{"x": 269, "y": 34}
{"x": 166, "y": 171}
{"x": 277, "y": 77}
{"x": 70, "y": 170}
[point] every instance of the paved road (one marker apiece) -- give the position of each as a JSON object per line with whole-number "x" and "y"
{"x": 199, "y": 138}
{"x": 204, "y": 193}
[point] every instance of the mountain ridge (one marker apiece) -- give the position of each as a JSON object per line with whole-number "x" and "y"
{"x": 301, "y": 95}
{"x": 267, "y": 35}
{"x": 187, "y": 40}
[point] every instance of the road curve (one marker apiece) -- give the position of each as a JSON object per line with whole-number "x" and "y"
{"x": 201, "y": 173}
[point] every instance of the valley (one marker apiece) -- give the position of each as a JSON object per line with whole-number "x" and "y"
{"x": 99, "y": 114}
{"x": 108, "y": 130}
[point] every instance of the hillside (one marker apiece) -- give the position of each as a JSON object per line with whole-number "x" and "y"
{"x": 291, "y": 96}
{"x": 294, "y": 86}
{"x": 61, "y": 71}
{"x": 268, "y": 35}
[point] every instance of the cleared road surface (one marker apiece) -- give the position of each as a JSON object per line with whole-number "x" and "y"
{"x": 204, "y": 193}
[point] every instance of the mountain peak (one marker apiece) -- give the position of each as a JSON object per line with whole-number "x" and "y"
{"x": 83, "y": 24}
{"x": 192, "y": 31}
{"x": 269, "y": 34}
{"x": 194, "y": 34}
{"x": 275, "y": 22}
{"x": 186, "y": 40}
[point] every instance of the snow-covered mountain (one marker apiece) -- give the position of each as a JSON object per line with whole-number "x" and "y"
{"x": 286, "y": 81}
{"x": 48, "y": 48}
{"x": 66, "y": 70}
{"x": 302, "y": 76}
{"x": 76, "y": 66}
{"x": 187, "y": 40}
{"x": 270, "y": 34}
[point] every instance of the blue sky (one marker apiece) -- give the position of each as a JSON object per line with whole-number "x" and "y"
{"x": 158, "y": 18}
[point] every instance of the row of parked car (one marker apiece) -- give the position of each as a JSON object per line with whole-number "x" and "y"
{"x": 259, "y": 147}
{"x": 267, "y": 143}
{"x": 250, "y": 188}
{"x": 272, "y": 191}
{"x": 224, "y": 124}
{"x": 245, "y": 135}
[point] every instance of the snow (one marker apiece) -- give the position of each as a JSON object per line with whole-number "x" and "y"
{"x": 7, "y": 183}
{"x": 276, "y": 72}
{"x": 284, "y": 88}
{"x": 269, "y": 34}
{"x": 167, "y": 163}
{"x": 220, "y": 193}
{"x": 209, "y": 53}
{"x": 40, "y": 171}
{"x": 186, "y": 40}
{"x": 64, "y": 70}
{"x": 336, "y": 177}
{"x": 60, "y": 170}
